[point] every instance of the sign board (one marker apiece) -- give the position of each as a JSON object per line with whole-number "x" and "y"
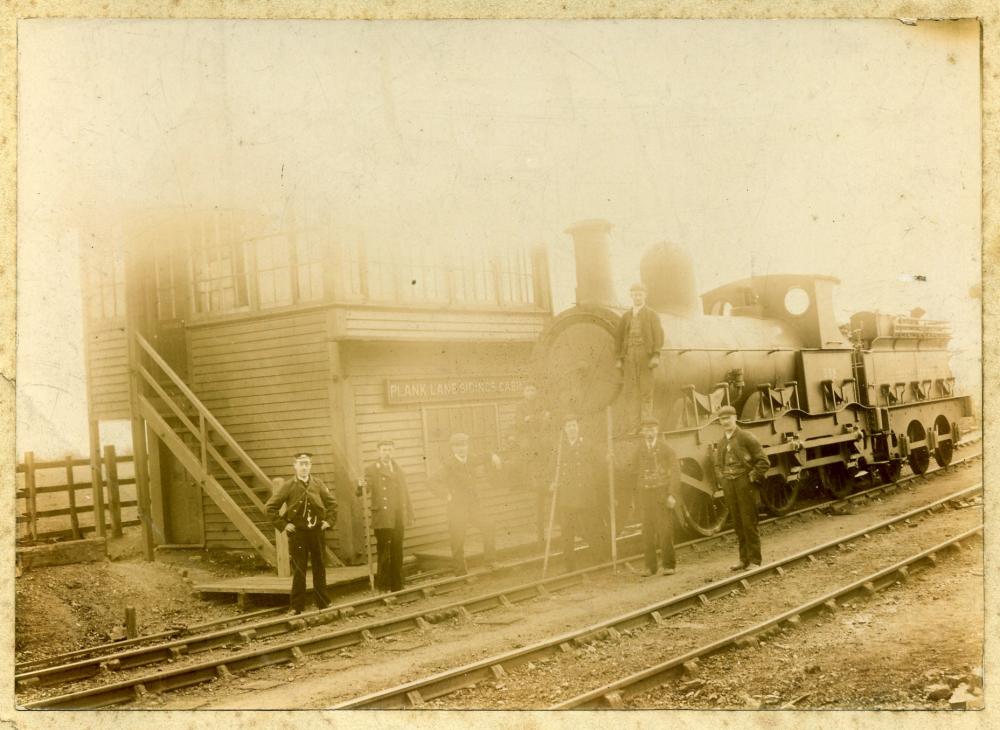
{"x": 447, "y": 390}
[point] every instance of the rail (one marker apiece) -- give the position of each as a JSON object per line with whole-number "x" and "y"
{"x": 414, "y": 693}
{"x": 612, "y": 695}
{"x": 239, "y": 623}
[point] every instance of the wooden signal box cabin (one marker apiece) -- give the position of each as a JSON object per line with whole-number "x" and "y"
{"x": 232, "y": 341}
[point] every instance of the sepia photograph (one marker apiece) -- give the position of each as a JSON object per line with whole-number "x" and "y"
{"x": 499, "y": 365}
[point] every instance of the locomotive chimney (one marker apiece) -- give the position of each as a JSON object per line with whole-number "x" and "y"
{"x": 668, "y": 273}
{"x": 593, "y": 262}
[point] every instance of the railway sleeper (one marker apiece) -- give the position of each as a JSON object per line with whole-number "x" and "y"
{"x": 702, "y": 597}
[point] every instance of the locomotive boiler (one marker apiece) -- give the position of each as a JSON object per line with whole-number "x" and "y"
{"x": 828, "y": 410}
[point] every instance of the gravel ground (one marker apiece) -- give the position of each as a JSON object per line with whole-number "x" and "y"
{"x": 906, "y": 648}
{"x": 364, "y": 669}
{"x": 542, "y": 684}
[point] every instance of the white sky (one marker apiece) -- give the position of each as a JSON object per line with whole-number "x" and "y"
{"x": 849, "y": 148}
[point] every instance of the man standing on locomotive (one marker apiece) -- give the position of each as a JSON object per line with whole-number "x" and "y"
{"x": 456, "y": 484}
{"x": 638, "y": 341}
{"x": 574, "y": 488}
{"x": 391, "y": 512}
{"x": 310, "y": 508}
{"x": 658, "y": 483}
{"x": 740, "y": 463}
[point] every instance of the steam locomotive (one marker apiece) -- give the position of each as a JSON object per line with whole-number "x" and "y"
{"x": 831, "y": 409}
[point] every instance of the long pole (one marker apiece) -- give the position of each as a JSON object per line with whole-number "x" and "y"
{"x": 368, "y": 541}
{"x": 552, "y": 510}
{"x": 611, "y": 492}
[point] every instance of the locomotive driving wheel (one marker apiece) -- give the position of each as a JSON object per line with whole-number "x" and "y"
{"x": 836, "y": 481}
{"x": 945, "y": 448}
{"x": 778, "y": 494}
{"x": 920, "y": 457}
{"x": 705, "y": 514}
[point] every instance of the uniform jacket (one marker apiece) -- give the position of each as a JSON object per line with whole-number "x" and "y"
{"x": 652, "y": 332}
{"x": 663, "y": 460}
{"x": 749, "y": 452}
{"x": 390, "y": 497}
{"x": 579, "y": 470}
{"x": 294, "y": 494}
{"x": 458, "y": 481}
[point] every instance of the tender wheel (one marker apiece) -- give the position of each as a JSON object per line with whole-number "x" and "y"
{"x": 920, "y": 457}
{"x": 705, "y": 515}
{"x": 836, "y": 481}
{"x": 889, "y": 473}
{"x": 945, "y": 447}
{"x": 778, "y": 495}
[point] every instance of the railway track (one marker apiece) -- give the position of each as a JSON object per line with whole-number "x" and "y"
{"x": 296, "y": 651}
{"x": 234, "y": 634}
{"x": 42, "y": 666}
{"x": 616, "y": 694}
{"x": 422, "y": 691}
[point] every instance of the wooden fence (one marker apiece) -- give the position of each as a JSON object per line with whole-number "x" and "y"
{"x": 47, "y": 494}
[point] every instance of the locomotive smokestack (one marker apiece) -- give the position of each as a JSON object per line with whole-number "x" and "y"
{"x": 593, "y": 262}
{"x": 668, "y": 273}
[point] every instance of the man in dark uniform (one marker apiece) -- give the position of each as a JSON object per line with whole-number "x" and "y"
{"x": 310, "y": 508}
{"x": 658, "y": 482}
{"x": 638, "y": 341}
{"x": 532, "y": 441}
{"x": 456, "y": 484}
{"x": 740, "y": 463}
{"x": 391, "y": 511}
{"x": 577, "y": 472}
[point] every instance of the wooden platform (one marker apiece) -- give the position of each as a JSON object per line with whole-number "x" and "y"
{"x": 351, "y": 576}
{"x": 509, "y": 545}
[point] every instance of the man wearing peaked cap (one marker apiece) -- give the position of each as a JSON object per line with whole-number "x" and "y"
{"x": 658, "y": 484}
{"x": 391, "y": 513}
{"x": 638, "y": 341}
{"x": 575, "y": 487}
{"x": 740, "y": 463}
{"x": 310, "y": 508}
{"x": 456, "y": 483}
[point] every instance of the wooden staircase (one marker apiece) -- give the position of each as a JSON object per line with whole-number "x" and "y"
{"x": 210, "y": 454}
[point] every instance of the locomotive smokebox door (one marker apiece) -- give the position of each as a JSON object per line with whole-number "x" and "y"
{"x": 579, "y": 364}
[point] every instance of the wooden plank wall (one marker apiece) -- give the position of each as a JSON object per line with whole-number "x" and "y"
{"x": 107, "y": 370}
{"x": 472, "y": 326}
{"x": 369, "y": 365}
{"x": 266, "y": 380}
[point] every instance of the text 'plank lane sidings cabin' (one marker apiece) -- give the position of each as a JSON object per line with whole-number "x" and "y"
{"x": 249, "y": 340}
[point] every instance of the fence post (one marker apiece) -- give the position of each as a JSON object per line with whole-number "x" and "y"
{"x": 74, "y": 520}
{"x": 96, "y": 479}
{"x": 114, "y": 498}
{"x": 29, "y": 483}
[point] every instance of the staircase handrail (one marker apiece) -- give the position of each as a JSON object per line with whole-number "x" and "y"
{"x": 202, "y": 409}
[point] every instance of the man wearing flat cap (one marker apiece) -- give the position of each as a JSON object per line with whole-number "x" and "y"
{"x": 310, "y": 508}
{"x": 658, "y": 484}
{"x": 391, "y": 512}
{"x": 456, "y": 483}
{"x": 638, "y": 341}
{"x": 578, "y": 470}
{"x": 740, "y": 463}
